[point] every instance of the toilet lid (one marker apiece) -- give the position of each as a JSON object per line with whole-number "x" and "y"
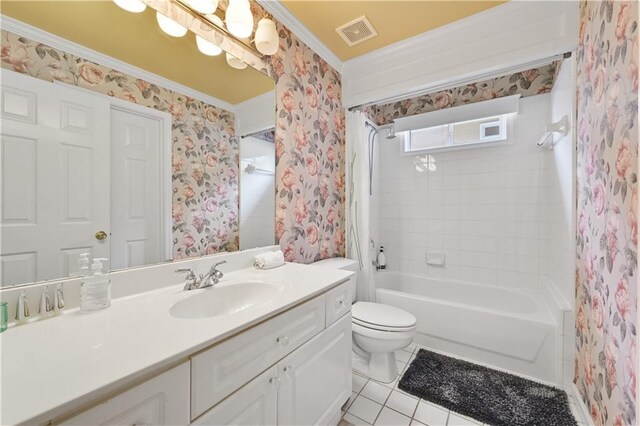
{"x": 377, "y": 314}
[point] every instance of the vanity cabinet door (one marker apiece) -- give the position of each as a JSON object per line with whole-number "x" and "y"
{"x": 316, "y": 379}
{"x": 163, "y": 400}
{"x": 256, "y": 403}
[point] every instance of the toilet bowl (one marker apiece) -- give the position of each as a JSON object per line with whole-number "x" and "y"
{"x": 378, "y": 331}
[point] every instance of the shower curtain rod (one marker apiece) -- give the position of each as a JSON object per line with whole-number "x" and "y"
{"x": 258, "y": 132}
{"x": 476, "y": 78}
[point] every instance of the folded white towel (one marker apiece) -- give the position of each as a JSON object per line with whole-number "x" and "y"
{"x": 269, "y": 260}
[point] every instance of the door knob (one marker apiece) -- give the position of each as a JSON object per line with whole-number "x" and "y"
{"x": 101, "y": 235}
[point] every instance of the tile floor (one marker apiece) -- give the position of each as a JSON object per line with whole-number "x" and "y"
{"x": 374, "y": 403}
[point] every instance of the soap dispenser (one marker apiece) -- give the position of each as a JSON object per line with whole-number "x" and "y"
{"x": 95, "y": 290}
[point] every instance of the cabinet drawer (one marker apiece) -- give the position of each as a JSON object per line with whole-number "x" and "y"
{"x": 227, "y": 366}
{"x": 163, "y": 400}
{"x": 338, "y": 302}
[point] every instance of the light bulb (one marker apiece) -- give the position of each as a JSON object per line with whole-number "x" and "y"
{"x": 235, "y": 62}
{"x": 239, "y": 18}
{"x": 134, "y": 6}
{"x": 216, "y": 20}
{"x": 170, "y": 26}
{"x": 267, "y": 41}
{"x": 206, "y": 7}
{"x": 206, "y": 47}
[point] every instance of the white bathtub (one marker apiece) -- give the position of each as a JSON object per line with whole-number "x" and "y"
{"x": 512, "y": 330}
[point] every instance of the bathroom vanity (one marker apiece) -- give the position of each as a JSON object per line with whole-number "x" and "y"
{"x": 261, "y": 347}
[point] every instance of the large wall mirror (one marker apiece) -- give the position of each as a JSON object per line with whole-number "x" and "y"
{"x": 125, "y": 143}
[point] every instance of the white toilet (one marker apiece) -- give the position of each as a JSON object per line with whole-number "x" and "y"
{"x": 378, "y": 331}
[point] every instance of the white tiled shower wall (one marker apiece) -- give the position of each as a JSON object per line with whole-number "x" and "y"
{"x": 485, "y": 208}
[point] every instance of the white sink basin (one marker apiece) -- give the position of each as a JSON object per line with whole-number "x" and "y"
{"x": 223, "y": 300}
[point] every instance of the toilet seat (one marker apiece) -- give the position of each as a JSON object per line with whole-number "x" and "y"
{"x": 383, "y": 335}
{"x": 379, "y": 327}
{"x": 377, "y": 316}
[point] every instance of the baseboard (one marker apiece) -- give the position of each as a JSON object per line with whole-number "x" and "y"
{"x": 581, "y": 408}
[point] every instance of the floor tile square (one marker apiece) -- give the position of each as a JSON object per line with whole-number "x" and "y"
{"x": 414, "y": 422}
{"x": 402, "y": 356}
{"x": 431, "y": 414}
{"x": 353, "y": 420}
{"x": 412, "y": 347}
{"x": 376, "y": 391}
{"x": 458, "y": 420}
{"x": 349, "y": 401}
{"x": 388, "y": 417}
{"x": 402, "y": 403}
{"x": 365, "y": 409}
{"x": 358, "y": 382}
{"x": 389, "y": 385}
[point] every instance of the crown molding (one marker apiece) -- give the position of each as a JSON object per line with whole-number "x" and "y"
{"x": 18, "y": 27}
{"x": 285, "y": 17}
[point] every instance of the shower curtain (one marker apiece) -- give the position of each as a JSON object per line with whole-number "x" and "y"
{"x": 359, "y": 204}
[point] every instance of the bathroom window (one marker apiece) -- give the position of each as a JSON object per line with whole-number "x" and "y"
{"x": 463, "y": 134}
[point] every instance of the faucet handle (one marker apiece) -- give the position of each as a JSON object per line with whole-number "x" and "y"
{"x": 58, "y": 299}
{"x": 45, "y": 302}
{"x": 22, "y": 310}
{"x": 190, "y": 279}
{"x": 188, "y": 270}
{"x": 222, "y": 262}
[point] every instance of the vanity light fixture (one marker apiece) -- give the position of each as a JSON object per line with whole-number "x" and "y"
{"x": 177, "y": 17}
{"x": 205, "y": 46}
{"x": 239, "y": 19}
{"x": 133, "y": 6}
{"x": 169, "y": 26}
{"x": 267, "y": 40}
{"x": 206, "y": 7}
{"x": 235, "y": 62}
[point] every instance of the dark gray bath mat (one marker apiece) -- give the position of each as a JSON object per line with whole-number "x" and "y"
{"x": 485, "y": 394}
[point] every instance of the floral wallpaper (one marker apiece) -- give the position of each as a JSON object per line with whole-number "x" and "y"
{"x": 607, "y": 232}
{"x": 310, "y": 144}
{"x": 205, "y": 159}
{"x": 527, "y": 83}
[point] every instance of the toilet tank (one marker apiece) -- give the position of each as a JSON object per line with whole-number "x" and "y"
{"x": 342, "y": 263}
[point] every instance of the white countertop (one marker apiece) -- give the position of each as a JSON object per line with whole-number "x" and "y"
{"x": 54, "y": 366}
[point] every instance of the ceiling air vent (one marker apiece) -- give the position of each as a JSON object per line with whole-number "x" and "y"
{"x": 356, "y": 31}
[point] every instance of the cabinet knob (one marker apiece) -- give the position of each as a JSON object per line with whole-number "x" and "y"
{"x": 287, "y": 370}
{"x": 341, "y": 302}
{"x": 274, "y": 382}
{"x": 283, "y": 341}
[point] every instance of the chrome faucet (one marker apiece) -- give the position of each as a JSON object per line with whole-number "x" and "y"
{"x": 210, "y": 279}
{"x": 213, "y": 276}
{"x": 190, "y": 281}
